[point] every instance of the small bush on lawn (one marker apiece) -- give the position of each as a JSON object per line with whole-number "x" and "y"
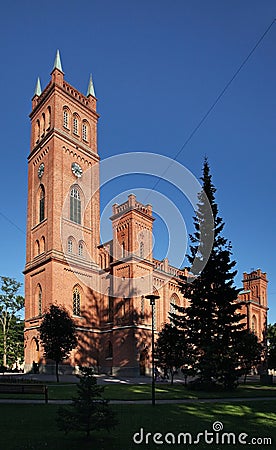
{"x": 89, "y": 411}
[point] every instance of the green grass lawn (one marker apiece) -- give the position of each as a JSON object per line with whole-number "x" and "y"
{"x": 33, "y": 427}
{"x": 178, "y": 391}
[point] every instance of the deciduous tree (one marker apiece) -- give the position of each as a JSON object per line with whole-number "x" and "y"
{"x": 249, "y": 351}
{"x": 171, "y": 349}
{"x": 58, "y": 335}
{"x": 10, "y": 304}
{"x": 271, "y": 336}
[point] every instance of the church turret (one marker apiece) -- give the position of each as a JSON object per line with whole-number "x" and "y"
{"x": 254, "y": 301}
{"x": 37, "y": 88}
{"x": 57, "y": 72}
{"x": 90, "y": 89}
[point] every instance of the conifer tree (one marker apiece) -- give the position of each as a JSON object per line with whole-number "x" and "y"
{"x": 212, "y": 318}
{"x": 89, "y": 410}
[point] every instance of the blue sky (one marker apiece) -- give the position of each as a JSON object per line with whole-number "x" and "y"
{"x": 157, "y": 67}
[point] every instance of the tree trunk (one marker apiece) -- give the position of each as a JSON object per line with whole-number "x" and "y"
{"x": 57, "y": 375}
{"x": 172, "y": 375}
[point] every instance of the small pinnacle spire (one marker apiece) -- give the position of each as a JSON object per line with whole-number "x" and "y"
{"x": 38, "y": 88}
{"x": 90, "y": 89}
{"x": 57, "y": 63}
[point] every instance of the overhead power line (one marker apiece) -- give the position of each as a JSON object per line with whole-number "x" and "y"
{"x": 202, "y": 120}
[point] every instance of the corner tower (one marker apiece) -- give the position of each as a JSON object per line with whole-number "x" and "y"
{"x": 254, "y": 301}
{"x": 63, "y": 209}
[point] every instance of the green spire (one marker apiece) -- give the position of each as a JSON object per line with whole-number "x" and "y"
{"x": 90, "y": 89}
{"x": 38, "y": 88}
{"x": 57, "y": 63}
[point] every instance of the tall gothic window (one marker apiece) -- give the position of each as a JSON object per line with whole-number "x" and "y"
{"x": 39, "y": 301}
{"x": 42, "y": 204}
{"x": 80, "y": 249}
{"x": 173, "y": 301}
{"x": 37, "y": 131}
{"x": 70, "y": 245}
{"x": 75, "y": 125}
{"x": 254, "y": 324}
{"x": 76, "y": 302}
{"x": 65, "y": 119}
{"x": 37, "y": 248}
{"x": 84, "y": 131}
{"x": 43, "y": 125}
{"x": 48, "y": 118}
{"x": 43, "y": 247}
{"x": 142, "y": 249}
{"x": 75, "y": 206}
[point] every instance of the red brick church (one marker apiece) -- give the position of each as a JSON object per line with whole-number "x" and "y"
{"x": 102, "y": 285}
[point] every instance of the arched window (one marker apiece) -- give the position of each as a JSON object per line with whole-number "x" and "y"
{"x": 37, "y": 131}
{"x": 48, "y": 118}
{"x": 42, "y": 244}
{"x": 39, "y": 300}
{"x": 43, "y": 125}
{"x": 42, "y": 204}
{"x": 80, "y": 249}
{"x": 70, "y": 245}
{"x": 37, "y": 248}
{"x": 65, "y": 119}
{"x": 75, "y": 125}
{"x": 174, "y": 300}
{"x": 84, "y": 132}
{"x": 76, "y": 302}
{"x": 75, "y": 206}
{"x": 123, "y": 249}
{"x": 254, "y": 324}
{"x": 141, "y": 249}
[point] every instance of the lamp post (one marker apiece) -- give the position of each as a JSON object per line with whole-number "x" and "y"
{"x": 152, "y": 299}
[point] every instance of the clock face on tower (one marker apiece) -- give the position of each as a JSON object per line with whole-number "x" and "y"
{"x": 76, "y": 169}
{"x": 40, "y": 171}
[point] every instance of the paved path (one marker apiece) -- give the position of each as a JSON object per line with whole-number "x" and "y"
{"x": 145, "y": 402}
{"x": 107, "y": 379}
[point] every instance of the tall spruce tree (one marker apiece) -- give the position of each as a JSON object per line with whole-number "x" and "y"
{"x": 212, "y": 319}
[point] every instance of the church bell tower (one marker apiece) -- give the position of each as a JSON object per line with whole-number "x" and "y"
{"x": 63, "y": 211}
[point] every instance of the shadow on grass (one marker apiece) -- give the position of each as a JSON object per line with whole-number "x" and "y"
{"x": 26, "y": 427}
